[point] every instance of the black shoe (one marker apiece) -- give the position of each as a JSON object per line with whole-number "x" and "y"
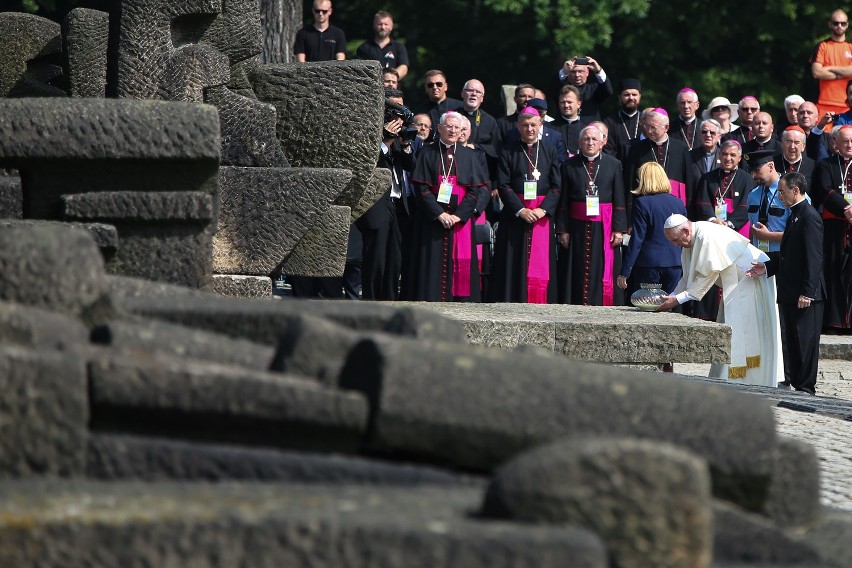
{"x": 785, "y": 385}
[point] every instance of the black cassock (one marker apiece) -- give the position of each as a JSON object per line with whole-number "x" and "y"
{"x": 672, "y": 155}
{"x": 517, "y": 239}
{"x": 431, "y": 263}
{"x": 581, "y": 266}
{"x": 831, "y": 175}
{"x": 734, "y": 188}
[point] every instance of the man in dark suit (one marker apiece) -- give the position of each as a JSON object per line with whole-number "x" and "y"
{"x": 801, "y": 286}
{"x": 705, "y": 157}
{"x": 382, "y": 226}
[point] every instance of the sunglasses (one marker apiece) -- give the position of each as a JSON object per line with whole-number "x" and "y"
{"x": 319, "y": 11}
{"x": 842, "y": 24}
{"x": 438, "y": 84}
{"x": 709, "y": 132}
{"x": 749, "y": 109}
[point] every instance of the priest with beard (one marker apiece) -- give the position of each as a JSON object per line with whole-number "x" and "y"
{"x": 447, "y": 179}
{"x": 528, "y": 179}
{"x": 590, "y": 222}
{"x": 722, "y": 198}
{"x": 624, "y": 127}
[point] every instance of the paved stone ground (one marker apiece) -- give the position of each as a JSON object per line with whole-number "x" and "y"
{"x": 825, "y": 421}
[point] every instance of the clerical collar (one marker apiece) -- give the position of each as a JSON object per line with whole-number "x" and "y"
{"x": 592, "y": 158}
{"x": 448, "y": 146}
{"x": 570, "y": 120}
{"x": 763, "y": 142}
{"x": 683, "y": 120}
{"x": 796, "y": 204}
{"x": 666, "y": 139}
{"x": 634, "y": 113}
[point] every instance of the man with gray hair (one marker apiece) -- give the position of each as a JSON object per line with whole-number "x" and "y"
{"x": 658, "y": 146}
{"x": 792, "y": 157}
{"x": 714, "y": 253}
{"x": 705, "y": 157}
{"x": 791, "y": 109}
{"x": 686, "y": 126}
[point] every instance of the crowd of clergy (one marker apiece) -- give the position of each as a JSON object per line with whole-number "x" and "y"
{"x": 548, "y": 203}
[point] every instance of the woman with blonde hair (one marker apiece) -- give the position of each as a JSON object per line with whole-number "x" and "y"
{"x": 651, "y": 258}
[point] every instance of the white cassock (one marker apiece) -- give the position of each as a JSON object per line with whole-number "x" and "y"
{"x": 722, "y": 256}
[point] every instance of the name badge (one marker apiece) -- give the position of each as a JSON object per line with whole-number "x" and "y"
{"x": 593, "y": 205}
{"x": 763, "y": 245}
{"x": 721, "y": 210}
{"x": 445, "y": 191}
{"x": 530, "y": 189}
{"x": 848, "y": 197}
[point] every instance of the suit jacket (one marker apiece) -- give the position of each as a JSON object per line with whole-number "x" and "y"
{"x": 816, "y": 146}
{"x": 396, "y": 160}
{"x": 592, "y": 93}
{"x": 799, "y": 266}
{"x": 698, "y": 166}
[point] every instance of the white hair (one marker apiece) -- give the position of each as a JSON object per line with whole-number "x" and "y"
{"x": 793, "y": 100}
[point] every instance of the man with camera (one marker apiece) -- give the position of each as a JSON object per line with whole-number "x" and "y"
{"x": 594, "y": 89}
{"x": 383, "y": 225}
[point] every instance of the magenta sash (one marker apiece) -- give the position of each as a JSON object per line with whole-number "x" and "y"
{"x": 480, "y": 221}
{"x": 678, "y": 190}
{"x": 538, "y": 266}
{"x": 462, "y": 250}
{"x": 578, "y": 211}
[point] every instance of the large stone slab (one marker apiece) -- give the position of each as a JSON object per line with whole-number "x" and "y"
{"x": 30, "y": 48}
{"x": 11, "y": 195}
{"x": 242, "y": 286}
{"x": 476, "y": 408}
{"x": 322, "y": 250}
{"x": 379, "y": 183}
{"x": 44, "y": 413}
{"x": 170, "y": 396}
{"x": 173, "y": 525}
{"x": 41, "y": 329}
{"x": 265, "y": 212}
{"x": 330, "y": 115}
{"x": 85, "y": 35}
{"x": 652, "y": 507}
{"x": 114, "y": 457}
{"x": 593, "y": 333}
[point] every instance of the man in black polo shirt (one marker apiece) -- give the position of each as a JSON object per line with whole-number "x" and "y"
{"x": 320, "y": 41}
{"x": 383, "y": 48}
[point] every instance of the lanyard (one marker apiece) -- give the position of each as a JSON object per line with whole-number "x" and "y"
{"x": 724, "y": 193}
{"x": 624, "y": 125}
{"x": 593, "y": 186}
{"x": 446, "y": 171}
{"x": 535, "y": 173}
{"x": 844, "y": 174}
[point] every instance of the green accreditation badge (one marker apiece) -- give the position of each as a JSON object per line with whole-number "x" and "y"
{"x": 445, "y": 190}
{"x": 721, "y": 210}
{"x": 530, "y": 189}
{"x": 763, "y": 245}
{"x": 593, "y": 205}
{"x": 848, "y": 197}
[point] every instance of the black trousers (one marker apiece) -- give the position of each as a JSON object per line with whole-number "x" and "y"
{"x": 800, "y": 330}
{"x": 382, "y": 258}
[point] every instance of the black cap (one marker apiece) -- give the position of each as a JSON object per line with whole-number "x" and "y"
{"x": 758, "y": 158}
{"x": 629, "y": 84}
{"x": 538, "y": 104}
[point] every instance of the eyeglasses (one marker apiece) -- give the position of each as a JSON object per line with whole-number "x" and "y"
{"x": 319, "y": 11}
{"x": 474, "y": 91}
{"x": 438, "y": 84}
{"x": 749, "y": 109}
{"x": 709, "y": 132}
{"x": 841, "y": 24}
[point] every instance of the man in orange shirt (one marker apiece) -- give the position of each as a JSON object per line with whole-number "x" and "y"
{"x": 831, "y": 64}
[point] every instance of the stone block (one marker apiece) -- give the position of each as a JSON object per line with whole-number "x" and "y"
{"x": 322, "y": 250}
{"x": 649, "y": 502}
{"x": 142, "y": 335}
{"x": 235, "y": 31}
{"x": 476, "y": 408}
{"x": 740, "y": 536}
{"x": 171, "y": 397}
{"x": 794, "y": 489}
{"x": 593, "y": 333}
{"x": 157, "y": 55}
{"x": 85, "y": 36}
{"x": 11, "y": 195}
{"x": 379, "y": 183}
{"x": 44, "y": 413}
{"x": 30, "y": 48}
{"x": 125, "y": 287}
{"x": 114, "y": 457}
{"x": 831, "y": 536}
{"x": 241, "y": 286}
{"x": 330, "y": 115}
{"x": 269, "y": 526}
{"x": 41, "y": 329}
{"x": 248, "y": 130}
{"x": 264, "y": 212}
{"x": 262, "y": 321}
{"x": 165, "y": 236}
{"x": 53, "y": 266}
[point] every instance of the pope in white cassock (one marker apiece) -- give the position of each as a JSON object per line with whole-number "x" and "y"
{"x": 715, "y": 254}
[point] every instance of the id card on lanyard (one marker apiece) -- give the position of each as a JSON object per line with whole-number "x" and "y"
{"x": 445, "y": 190}
{"x": 721, "y": 210}
{"x": 593, "y": 205}
{"x": 530, "y": 189}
